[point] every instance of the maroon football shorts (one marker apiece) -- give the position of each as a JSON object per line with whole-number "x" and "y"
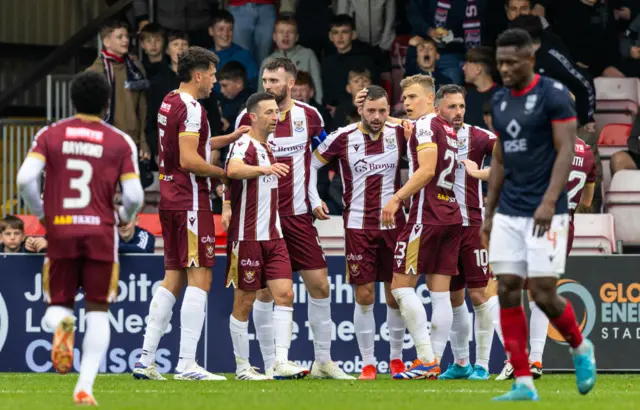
{"x": 370, "y": 255}
{"x": 189, "y": 239}
{"x": 473, "y": 262}
{"x": 303, "y": 243}
{"x": 428, "y": 249}
{"x": 250, "y": 264}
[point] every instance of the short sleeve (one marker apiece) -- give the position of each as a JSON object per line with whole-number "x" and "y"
{"x": 329, "y": 148}
{"x": 591, "y": 175}
{"x": 559, "y": 104}
{"x": 316, "y": 122}
{"x": 238, "y": 152}
{"x": 129, "y": 168}
{"x": 489, "y": 139}
{"x": 243, "y": 119}
{"x": 190, "y": 119}
{"x": 424, "y": 131}
{"x": 39, "y": 147}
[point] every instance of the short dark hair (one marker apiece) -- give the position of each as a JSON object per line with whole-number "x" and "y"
{"x": 90, "y": 92}
{"x": 446, "y": 90}
{"x": 13, "y": 222}
{"x": 275, "y": 63}
{"x": 287, "y": 18}
{"x": 195, "y": 58}
{"x": 375, "y": 92}
{"x": 177, "y": 35}
{"x": 151, "y": 29}
{"x": 506, "y": 2}
{"x": 257, "y": 98}
{"x": 514, "y": 37}
{"x": 110, "y": 26}
{"x": 343, "y": 20}
{"x": 222, "y": 15}
{"x": 529, "y": 23}
{"x": 233, "y": 70}
{"x": 356, "y": 71}
{"x": 303, "y": 78}
{"x": 482, "y": 55}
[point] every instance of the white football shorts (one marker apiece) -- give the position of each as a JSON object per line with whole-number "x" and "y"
{"x": 514, "y": 250}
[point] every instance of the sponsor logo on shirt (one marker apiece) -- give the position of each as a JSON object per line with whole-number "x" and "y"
{"x": 76, "y": 220}
{"x": 166, "y": 178}
{"x": 446, "y": 198}
{"x": 164, "y": 107}
{"x": 353, "y": 257}
{"x": 76, "y": 133}
{"x": 250, "y": 263}
{"x": 207, "y": 239}
{"x": 292, "y": 148}
{"x": 162, "y": 119}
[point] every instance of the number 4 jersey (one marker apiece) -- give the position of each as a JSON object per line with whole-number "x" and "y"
{"x": 435, "y": 204}
{"x": 84, "y": 160}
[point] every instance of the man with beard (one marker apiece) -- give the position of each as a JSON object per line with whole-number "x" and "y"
{"x": 368, "y": 154}
{"x": 298, "y": 125}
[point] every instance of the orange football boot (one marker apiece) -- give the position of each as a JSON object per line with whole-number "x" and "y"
{"x": 397, "y": 366}
{"x": 62, "y": 348}
{"x": 82, "y": 398}
{"x": 368, "y": 373}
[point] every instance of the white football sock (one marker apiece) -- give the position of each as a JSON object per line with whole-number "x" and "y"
{"x": 94, "y": 349}
{"x": 441, "y": 319}
{"x": 415, "y": 317}
{"x": 365, "y": 326}
{"x": 494, "y": 308}
{"x": 483, "y": 328}
{"x": 240, "y": 338}
{"x": 54, "y": 315}
{"x": 192, "y": 317}
{"x": 319, "y": 313}
{"x": 282, "y": 328}
{"x": 460, "y": 327}
{"x": 263, "y": 322}
{"x": 538, "y": 328}
{"x": 395, "y": 324}
{"x": 160, "y": 312}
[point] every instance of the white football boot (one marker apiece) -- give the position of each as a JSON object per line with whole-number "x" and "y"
{"x": 329, "y": 370}
{"x": 197, "y": 372}
{"x": 141, "y": 372}
{"x": 506, "y": 373}
{"x": 250, "y": 373}
{"x": 288, "y": 371}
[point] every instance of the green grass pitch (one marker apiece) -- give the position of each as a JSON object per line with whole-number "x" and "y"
{"x": 51, "y": 391}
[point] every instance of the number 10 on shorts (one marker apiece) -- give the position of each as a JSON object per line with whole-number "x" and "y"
{"x": 482, "y": 257}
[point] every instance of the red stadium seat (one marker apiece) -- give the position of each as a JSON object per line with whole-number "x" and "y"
{"x": 614, "y": 135}
{"x": 150, "y": 222}
{"x": 32, "y": 226}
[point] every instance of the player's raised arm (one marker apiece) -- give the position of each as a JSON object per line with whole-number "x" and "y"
{"x": 224, "y": 140}
{"x": 29, "y": 173}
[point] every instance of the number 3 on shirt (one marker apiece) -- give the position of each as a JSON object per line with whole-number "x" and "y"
{"x": 442, "y": 178}
{"x": 80, "y": 184}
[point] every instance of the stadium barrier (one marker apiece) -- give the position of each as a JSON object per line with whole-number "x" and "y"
{"x": 603, "y": 290}
{"x": 59, "y": 103}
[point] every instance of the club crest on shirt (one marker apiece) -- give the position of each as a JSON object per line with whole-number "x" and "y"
{"x": 530, "y": 103}
{"x": 390, "y": 141}
{"x": 298, "y": 125}
{"x": 249, "y": 276}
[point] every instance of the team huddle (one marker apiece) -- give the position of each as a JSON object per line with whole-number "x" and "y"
{"x": 539, "y": 175}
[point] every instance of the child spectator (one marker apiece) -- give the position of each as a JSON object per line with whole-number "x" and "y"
{"x": 348, "y": 54}
{"x": 221, "y": 30}
{"x": 152, "y": 41}
{"x": 13, "y": 239}
{"x": 375, "y": 20}
{"x": 359, "y": 78}
{"x": 304, "y": 90}
{"x": 422, "y": 56}
{"x": 134, "y": 239}
{"x": 232, "y": 79}
{"x": 285, "y": 35}
{"x": 630, "y": 51}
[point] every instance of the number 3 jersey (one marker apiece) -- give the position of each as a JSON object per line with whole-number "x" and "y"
{"x": 84, "y": 160}
{"x": 435, "y": 204}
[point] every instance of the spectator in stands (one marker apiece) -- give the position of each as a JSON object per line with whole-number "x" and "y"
{"x": 455, "y": 25}
{"x": 167, "y": 81}
{"x": 128, "y": 104}
{"x": 190, "y": 16}
{"x": 232, "y": 78}
{"x": 629, "y": 66}
{"x": 478, "y": 74}
{"x": 304, "y": 90}
{"x": 217, "y": 197}
{"x": 349, "y": 54}
{"x": 285, "y": 36}
{"x": 359, "y": 79}
{"x": 374, "y": 20}
{"x": 314, "y": 18}
{"x": 499, "y": 18}
{"x": 487, "y": 115}
{"x": 13, "y": 238}
{"x": 222, "y": 31}
{"x": 152, "y": 41}
{"x": 134, "y": 239}
{"x": 254, "y": 25}
{"x": 422, "y": 58}
{"x": 629, "y": 159}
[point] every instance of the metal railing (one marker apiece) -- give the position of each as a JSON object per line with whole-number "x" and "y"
{"x": 16, "y": 136}
{"x": 59, "y": 103}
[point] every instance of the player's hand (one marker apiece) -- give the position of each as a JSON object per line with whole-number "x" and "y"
{"x": 635, "y": 52}
{"x": 321, "y": 212}
{"x": 225, "y": 180}
{"x": 590, "y": 127}
{"x": 485, "y": 231}
{"x": 226, "y": 216}
{"x": 239, "y": 132}
{"x": 145, "y": 153}
{"x": 542, "y": 218}
{"x": 29, "y": 244}
{"x": 360, "y": 97}
{"x": 470, "y": 166}
{"x": 623, "y": 13}
{"x": 40, "y": 244}
{"x": 389, "y": 212}
{"x": 278, "y": 169}
{"x": 408, "y": 128}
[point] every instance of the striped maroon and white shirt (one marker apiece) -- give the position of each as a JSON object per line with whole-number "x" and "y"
{"x": 254, "y": 202}
{"x": 180, "y": 115}
{"x": 474, "y": 144}
{"x": 370, "y": 171}
{"x": 291, "y": 145}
